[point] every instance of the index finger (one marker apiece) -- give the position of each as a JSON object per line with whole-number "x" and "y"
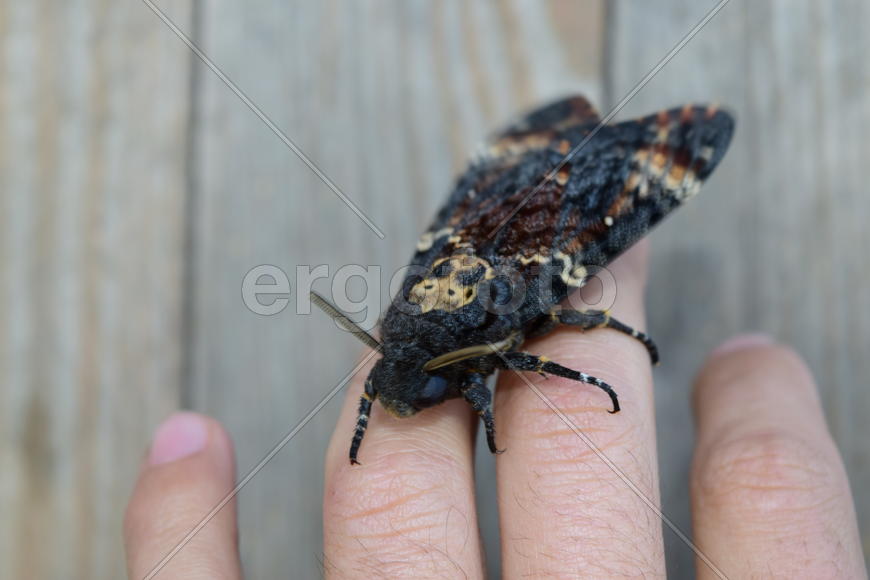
{"x": 408, "y": 509}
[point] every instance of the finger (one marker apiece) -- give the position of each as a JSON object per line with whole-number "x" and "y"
{"x": 189, "y": 469}
{"x": 564, "y": 509}
{"x": 769, "y": 493}
{"x": 408, "y": 510}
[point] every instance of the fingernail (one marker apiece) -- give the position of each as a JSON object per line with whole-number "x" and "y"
{"x": 180, "y": 435}
{"x": 742, "y": 342}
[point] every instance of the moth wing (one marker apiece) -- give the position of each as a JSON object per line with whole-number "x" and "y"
{"x": 535, "y": 130}
{"x": 582, "y": 198}
{"x": 545, "y": 122}
{"x": 618, "y": 183}
{"x": 637, "y": 173}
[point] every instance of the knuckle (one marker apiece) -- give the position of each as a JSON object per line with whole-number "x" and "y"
{"x": 385, "y": 487}
{"x": 765, "y": 472}
{"x": 403, "y": 504}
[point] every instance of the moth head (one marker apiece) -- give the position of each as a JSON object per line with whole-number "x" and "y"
{"x": 403, "y": 384}
{"x": 404, "y": 388}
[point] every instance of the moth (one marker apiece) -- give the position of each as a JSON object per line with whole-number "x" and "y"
{"x": 551, "y": 197}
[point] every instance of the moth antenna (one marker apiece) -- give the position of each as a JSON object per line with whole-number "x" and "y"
{"x": 343, "y": 321}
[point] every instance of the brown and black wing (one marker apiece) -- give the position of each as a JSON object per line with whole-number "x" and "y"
{"x": 559, "y": 193}
{"x": 536, "y": 131}
{"x": 540, "y": 129}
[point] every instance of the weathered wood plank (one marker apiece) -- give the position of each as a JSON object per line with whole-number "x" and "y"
{"x": 388, "y": 99}
{"x": 93, "y": 116}
{"x": 775, "y": 242}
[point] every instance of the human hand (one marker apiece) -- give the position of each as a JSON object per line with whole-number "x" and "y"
{"x": 769, "y": 496}
{"x": 769, "y": 493}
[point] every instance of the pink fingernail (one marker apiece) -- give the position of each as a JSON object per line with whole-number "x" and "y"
{"x": 180, "y": 435}
{"x": 742, "y": 342}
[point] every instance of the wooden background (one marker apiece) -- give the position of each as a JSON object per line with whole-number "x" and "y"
{"x": 137, "y": 191}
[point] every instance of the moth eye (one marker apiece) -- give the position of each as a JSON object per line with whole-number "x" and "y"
{"x": 432, "y": 393}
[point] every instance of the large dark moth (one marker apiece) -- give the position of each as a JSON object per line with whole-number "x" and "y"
{"x": 550, "y": 198}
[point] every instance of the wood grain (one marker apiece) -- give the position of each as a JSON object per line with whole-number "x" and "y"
{"x": 775, "y": 241}
{"x": 93, "y": 127}
{"x": 138, "y": 191}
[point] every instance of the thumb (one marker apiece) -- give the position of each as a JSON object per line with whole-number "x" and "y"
{"x": 187, "y": 472}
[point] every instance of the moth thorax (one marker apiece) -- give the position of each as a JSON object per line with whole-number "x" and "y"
{"x": 452, "y": 284}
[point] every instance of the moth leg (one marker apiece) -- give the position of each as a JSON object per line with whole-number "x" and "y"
{"x": 362, "y": 421}
{"x": 474, "y": 390}
{"x": 589, "y": 319}
{"x": 545, "y": 324}
{"x": 523, "y": 361}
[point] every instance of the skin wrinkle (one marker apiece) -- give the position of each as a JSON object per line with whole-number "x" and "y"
{"x": 392, "y": 505}
{"x": 395, "y": 532}
{"x": 400, "y": 508}
{"x": 416, "y": 515}
{"x": 403, "y": 564}
{"x": 766, "y": 464}
{"x": 562, "y": 445}
{"x": 593, "y": 527}
{"x": 414, "y": 458}
{"x": 569, "y": 462}
{"x": 432, "y": 441}
{"x": 375, "y": 520}
{"x": 405, "y": 557}
{"x": 786, "y": 530}
{"x": 608, "y": 563}
{"x": 557, "y": 436}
